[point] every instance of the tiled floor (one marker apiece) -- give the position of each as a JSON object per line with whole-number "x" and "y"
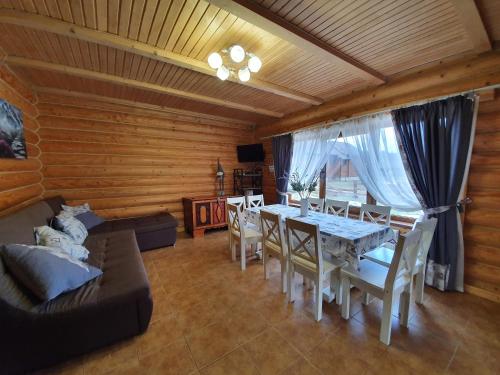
{"x": 210, "y": 318}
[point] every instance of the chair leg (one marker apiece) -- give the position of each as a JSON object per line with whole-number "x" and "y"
{"x": 291, "y": 287}
{"x": 419, "y": 297}
{"x": 404, "y": 308}
{"x": 265, "y": 259}
{"x": 284, "y": 272}
{"x": 385, "y": 327}
{"x": 243, "y": 255}
{"x": 319, "y": 299}
{"x": 366, "y": 298}
{"x": 346, "y": 297}
{"x": 233, "y": 250}
{"x": 336, "y": 286}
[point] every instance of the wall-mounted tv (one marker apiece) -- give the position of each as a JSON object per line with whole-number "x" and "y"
{"x": 250, "y": 153}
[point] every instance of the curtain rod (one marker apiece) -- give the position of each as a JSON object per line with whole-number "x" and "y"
{"x": 411, "y": 104}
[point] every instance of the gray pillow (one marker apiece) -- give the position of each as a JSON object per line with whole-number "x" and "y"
{"x": 47, "y": 236}
{"x": 89, "y": 219}
{"x": 46, "y": 271}
{"x": 72, "y": 227}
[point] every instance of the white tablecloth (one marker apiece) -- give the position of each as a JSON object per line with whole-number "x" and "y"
{"x": 342, "y": 237}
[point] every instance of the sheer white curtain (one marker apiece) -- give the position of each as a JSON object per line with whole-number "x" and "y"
{"x": 311, "y": 149}
{"x": 373, "y": 149}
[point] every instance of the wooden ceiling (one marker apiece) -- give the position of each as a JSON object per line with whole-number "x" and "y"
{"x": 155, "y": 51}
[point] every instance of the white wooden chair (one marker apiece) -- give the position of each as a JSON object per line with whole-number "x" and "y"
{"x": 240, "y": 234}
{"x": 385, "y": 283}
{"x": 255, "y": 200}
{"x": 273, "y": 244}
{"x": 316, "y": 204}
{"x": 337, "y": 208}
{"x": 240, "y": 202}
{"x": 237, "y": 201}
{"x": 383, "y": 255}
{"x": 305, "y": 257}
{"x": 383, "y": 213}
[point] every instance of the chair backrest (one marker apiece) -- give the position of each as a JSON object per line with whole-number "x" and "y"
{"x": 337, "y": 208}
{"x": 272, "y": 230}
{"x": 235, "y": 220}
{"x": 303, "y": 243}
{"x": 237, "y": 201}
{"x": 405, "y": 257}
{"x": 427, "y": 227}
{"x": 316, "y": 204}
{"x": 255, "y": 200}
{"x": 383, "y": 213}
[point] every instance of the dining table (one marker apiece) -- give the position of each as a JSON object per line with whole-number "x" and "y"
{"x": 342, "y": 237}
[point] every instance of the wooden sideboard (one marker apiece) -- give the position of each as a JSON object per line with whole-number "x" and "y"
{"x": 202, "y": 213}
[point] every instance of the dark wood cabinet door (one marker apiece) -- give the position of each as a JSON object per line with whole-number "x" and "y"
{"x": 219, "y": 212}
{"x": 203, "y": 216}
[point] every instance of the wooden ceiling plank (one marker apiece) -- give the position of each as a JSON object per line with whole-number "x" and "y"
{"x": 147, "y": 20}
{"x": 135, "y": 19}
{"x": 275, "y": 25}
{"x": 124, "y": 20}
{"x": 77, "y": 12}
{"x": 115, "y": 41}
{"x": 159, "y": 19}
{"x": 113, "y": 16}
{"x": 469, "y": 14}
{"x": 82, "y": 73}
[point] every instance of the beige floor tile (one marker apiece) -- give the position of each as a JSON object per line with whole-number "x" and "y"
{"x": 271, "y": 353}
{"x": 211, "y": 342}
{"x": 174, "y": 359}
{"x": 237, "y": 362}
{"x": 159, "y": 334}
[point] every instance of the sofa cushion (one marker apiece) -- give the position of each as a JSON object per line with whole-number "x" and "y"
{"x": 124, "y": 277}
{"x": 89, "y": 219}
{"x": 18, "y": 227}
{"x": 47, "y": 272}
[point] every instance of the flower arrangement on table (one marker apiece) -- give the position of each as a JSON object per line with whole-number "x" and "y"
{"x": 303, "y": 189}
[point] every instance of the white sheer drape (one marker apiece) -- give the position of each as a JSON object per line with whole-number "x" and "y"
{"x": 311, "y": 149}
{"x": 374, "y": 152}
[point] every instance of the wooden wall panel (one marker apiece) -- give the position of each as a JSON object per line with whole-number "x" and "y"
{"x": 130, "y": 162}
{"x": 268, "y": 181}
{"x": 20, "y": 180}
{"x": 482, "y": 219}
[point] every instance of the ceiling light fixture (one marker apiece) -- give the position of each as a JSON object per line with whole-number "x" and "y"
{"x": 234, "y": 61}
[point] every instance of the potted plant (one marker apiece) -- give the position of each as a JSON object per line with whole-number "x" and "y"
{"x": 304, "y": 190}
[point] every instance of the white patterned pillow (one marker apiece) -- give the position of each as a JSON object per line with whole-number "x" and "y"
{"x": 72, "y": 227}
{"x": 47, "y": 236}
{"x": 75, "y": 210}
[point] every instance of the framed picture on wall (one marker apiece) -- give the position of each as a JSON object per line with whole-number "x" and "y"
{"x": 12, "y": 143}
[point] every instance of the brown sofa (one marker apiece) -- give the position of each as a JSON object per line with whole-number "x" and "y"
{"x": 112, "y": 307}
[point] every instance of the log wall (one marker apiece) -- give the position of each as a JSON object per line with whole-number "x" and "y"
{"x": 128, "y": 161}
{"x": 20, "y": 179}
{"x": 482, "y": 218}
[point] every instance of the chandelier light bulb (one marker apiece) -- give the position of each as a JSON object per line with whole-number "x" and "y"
{"x": 237, "y": 53}
{"x": 254, "y": 64}
{"x": 215, "y": 60}
{"x": 244, "y": 74}
{"x": 223, "y": 73}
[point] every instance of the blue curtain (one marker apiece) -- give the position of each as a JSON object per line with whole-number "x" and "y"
{"x": 282, "y": 156}
{"x": 435, "y": 139}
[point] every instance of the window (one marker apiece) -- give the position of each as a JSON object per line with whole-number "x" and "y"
{"x": 342, "y": 180}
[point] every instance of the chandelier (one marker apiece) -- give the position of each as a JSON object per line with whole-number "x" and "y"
{"x": 234, "y": 61}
